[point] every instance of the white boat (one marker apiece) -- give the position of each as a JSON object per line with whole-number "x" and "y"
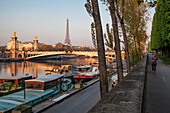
{"x": 86, "y": 72}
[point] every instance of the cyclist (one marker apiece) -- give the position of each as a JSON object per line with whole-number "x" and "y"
{"x": 154, "y": 62}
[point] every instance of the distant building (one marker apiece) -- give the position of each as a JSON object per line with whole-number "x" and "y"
{"x": 67, "y": 39}
{"x": 2, "y": 48}
{"x": 14, "y": 44}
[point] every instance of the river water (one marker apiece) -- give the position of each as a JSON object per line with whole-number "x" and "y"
{"x": 37, "y": 69}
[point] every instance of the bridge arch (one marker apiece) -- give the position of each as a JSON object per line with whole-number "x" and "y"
{"x": 35, "y": 56}
{"x": 41, "y": 54}
{"x": 19, "y": 56}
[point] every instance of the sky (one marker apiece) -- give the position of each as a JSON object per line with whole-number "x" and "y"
{"x": 47, "y": 20}
{"x": 149, "y": 23}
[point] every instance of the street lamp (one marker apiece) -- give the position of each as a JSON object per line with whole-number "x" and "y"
{"x": 24, "y": 90}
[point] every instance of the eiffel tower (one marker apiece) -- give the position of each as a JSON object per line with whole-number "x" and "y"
{"x": 67, "y": 39}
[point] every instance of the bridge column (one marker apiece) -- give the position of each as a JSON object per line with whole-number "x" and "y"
{"x": 23, "y": 54}
{"x": 14, "y": 54}
{"x": 36, "y": 43}
{"x": 7, "y": 55}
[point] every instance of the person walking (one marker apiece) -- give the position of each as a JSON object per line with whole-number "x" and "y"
{"x": 154, "y": 60}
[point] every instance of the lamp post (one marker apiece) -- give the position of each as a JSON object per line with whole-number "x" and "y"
{"x": 24, "y": 90}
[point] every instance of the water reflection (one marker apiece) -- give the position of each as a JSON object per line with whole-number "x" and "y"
{"x": 37, "y": 69}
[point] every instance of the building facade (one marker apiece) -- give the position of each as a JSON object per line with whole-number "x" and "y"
{"x": 14, "y": 44}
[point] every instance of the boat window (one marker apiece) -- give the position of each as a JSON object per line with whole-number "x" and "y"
{"x": 12, "y": 81}
{"x": 20, "y": 81}
{"x": 113, "y": 55}
{"x": 86, "y": 69}
{"x": 58, "y": 81}
{"x": 89, "y": 69}
{"x": 50, "y": 84}
{"x": 38, "y": 86}
{"x": 29, "y": 86}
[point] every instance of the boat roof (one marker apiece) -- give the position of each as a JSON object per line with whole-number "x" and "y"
{"x": 46, "y": 78}
{"x": 84, "y": 66}
{"x": 66, "y": 65}
{"x": 13, "y": 77}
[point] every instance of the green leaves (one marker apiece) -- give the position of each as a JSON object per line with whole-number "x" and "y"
{"x": 93, "y": 35}
{"x": 88, "y": 7}
{"x": 109, "y": 37}
{"x": 160, "y": 35}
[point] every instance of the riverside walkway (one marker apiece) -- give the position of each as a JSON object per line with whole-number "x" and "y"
{"x": 49, "y": 106}
{"x": 141, "y": 92}
{"x": 158, "y": 88}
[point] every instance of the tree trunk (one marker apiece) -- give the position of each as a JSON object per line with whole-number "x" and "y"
{"x": 139, "y": 49}
{"x": 121, "y": 19}
{"x": 117, "y": 40}
{"x": 100, "y": 48}
{"x": 136, "y": 50}
{"x": 126, "y": 45}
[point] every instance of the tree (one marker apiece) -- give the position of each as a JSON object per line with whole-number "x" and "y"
{"x": 93, "y": 10}
{"x": 109, "y": 37}
{"x": 45, "y": 47}
{"x": 120, "y": 14}
{"x": 135, "y": 18}
{"x": 111, "y": 6}
{"x": 116, "y": 39}
{"x": 160, "y": 35}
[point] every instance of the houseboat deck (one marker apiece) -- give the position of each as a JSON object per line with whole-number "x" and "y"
{"x": 32, "y": 96}
{"x": 11, "y": 101}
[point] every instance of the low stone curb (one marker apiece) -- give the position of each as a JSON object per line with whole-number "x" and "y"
{"x": 72, "y": 93}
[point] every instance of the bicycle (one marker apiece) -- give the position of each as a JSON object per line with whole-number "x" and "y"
{"x": 154, "y": 67}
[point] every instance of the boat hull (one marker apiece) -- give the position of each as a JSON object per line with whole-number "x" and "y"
{"x": 83, "y": 78}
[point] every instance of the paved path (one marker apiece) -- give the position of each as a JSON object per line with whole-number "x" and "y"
{"x": 158, "y": 89}
{"x": 59, "y": 98}
{"x": 81, "y": 102}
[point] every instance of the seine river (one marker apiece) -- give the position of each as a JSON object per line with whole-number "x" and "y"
{"x": 37, "y": 68}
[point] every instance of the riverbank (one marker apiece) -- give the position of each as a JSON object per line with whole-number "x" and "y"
{"x": 11, "y": 59}
{"x": 59, "y": 98}
{"x": 127, "y": 96}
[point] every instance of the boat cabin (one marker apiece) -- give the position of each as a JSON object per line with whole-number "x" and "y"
{"x": 84, "y": 68}
{"x": 14, "y": 79}
{"x": 45, "y": 82}
{"x": 88, "y": 70}
{"x": 10, "y": 83}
